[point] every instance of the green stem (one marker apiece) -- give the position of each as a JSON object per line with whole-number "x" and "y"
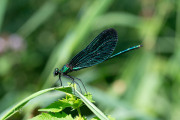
{"x": 79, "y": 112}
{"x": 92, "y": 107}
{"x": 16, "y": 108}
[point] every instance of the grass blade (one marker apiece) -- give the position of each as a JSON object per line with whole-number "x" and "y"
{"x": 16, "y": 108}
{"x": 92, "y": 107}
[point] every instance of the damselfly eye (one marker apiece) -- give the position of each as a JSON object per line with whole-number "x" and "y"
{"x": 56, "y": 71}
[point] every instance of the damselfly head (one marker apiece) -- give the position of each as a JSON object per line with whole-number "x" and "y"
{"x": 56, "y": 71}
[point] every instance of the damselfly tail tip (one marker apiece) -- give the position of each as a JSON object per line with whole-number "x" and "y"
{"x": 140, "y": 46}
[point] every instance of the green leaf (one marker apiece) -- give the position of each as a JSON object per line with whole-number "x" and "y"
{"x": 95, "y": 118}
{"x": 92, "y": 107}
{"x": 69, "y": 101}
{"x": 65, "y": 89}
{"x": 57, "y": 106}
{"x": 53, "y": 116}
{"x": 80, "y": 118}
{"x": 16, "y": 108}
{"x": 3, "y": 7}
{"x": 89, "y": 97}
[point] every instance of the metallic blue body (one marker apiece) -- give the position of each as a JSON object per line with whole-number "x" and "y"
{"x": 126, "y": 50}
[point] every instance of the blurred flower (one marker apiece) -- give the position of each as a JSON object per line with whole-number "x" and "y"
{"x": 2, "y": 45}
{"x": 12, "y": 42}
{"x": 16, "y": 42}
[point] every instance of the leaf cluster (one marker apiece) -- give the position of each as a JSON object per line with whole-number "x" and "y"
{"x": 55, "y": 110}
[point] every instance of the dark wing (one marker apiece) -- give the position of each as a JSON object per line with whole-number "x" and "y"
{"x": 97, "y": 51}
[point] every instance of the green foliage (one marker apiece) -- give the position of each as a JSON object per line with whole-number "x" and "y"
{"x": 38, "y": 36}
{"x": 53, "y": 116}
{"x": 17, "y": 107}
{"x": 53, "y": 109}
{"x": 75, "y": 103}
{"x": 69, "y": 101}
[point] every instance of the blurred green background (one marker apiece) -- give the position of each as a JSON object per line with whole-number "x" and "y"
{"x": 38, "y": 36}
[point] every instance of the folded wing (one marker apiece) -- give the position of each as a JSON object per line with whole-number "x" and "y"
{"x": 97, "y": 51}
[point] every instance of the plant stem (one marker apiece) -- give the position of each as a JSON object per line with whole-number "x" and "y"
{"x": 18, "y": 106}
{"x": 79, "y": 112}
